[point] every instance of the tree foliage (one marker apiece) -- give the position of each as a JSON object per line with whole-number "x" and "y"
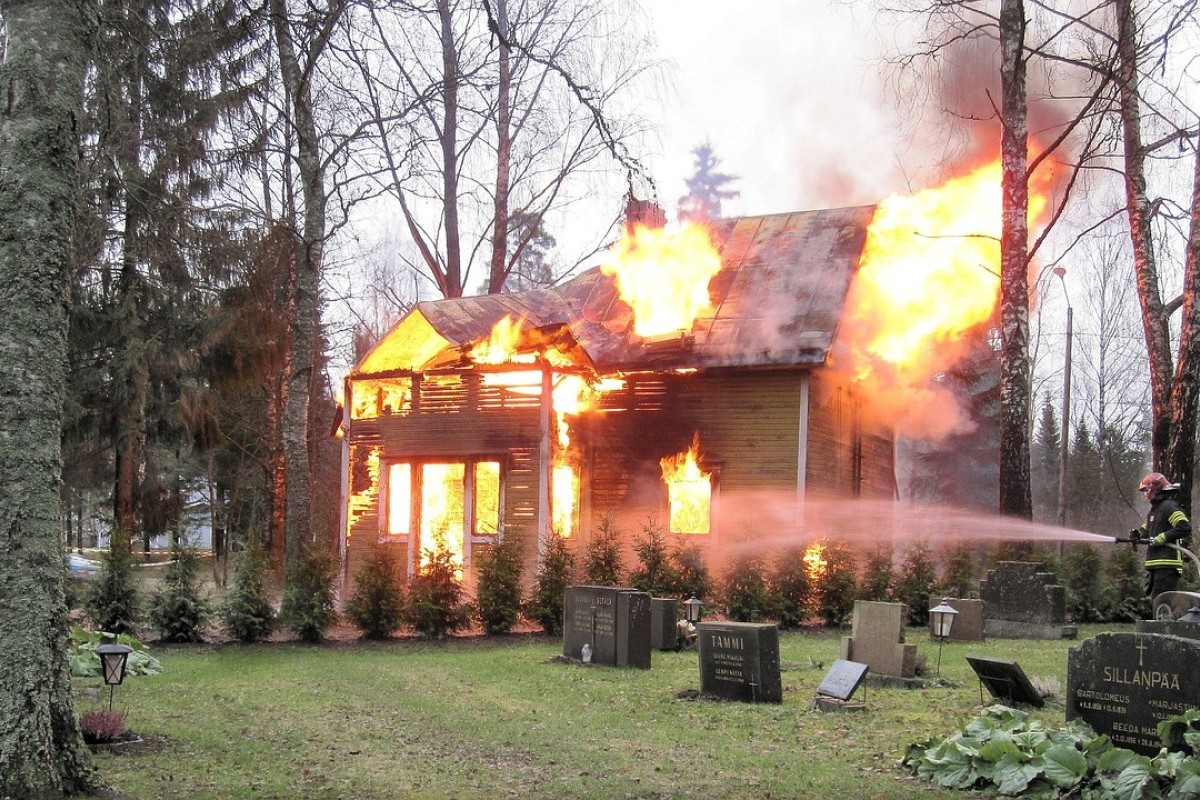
{"x": 707, "y": 188}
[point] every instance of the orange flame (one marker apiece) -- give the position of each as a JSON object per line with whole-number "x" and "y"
{"x": 689, "y": 490}
{"x": 663, "y": 274}
{"x": 929, "y": 275}
{"x": 815, "y": 565}
{"x": 501, "y": 346}
{"x": 442, "y": 517}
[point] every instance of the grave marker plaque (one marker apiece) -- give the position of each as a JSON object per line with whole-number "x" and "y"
{"x": 740, "y": 661}
{"x": 1124, "y": 684}
{"x": 843, "y": 679}
{"x": 615, "y": 622}
{"x": 1005, "y": 680}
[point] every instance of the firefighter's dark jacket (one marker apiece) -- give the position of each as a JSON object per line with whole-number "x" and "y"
{"x": 1166, "y": 517}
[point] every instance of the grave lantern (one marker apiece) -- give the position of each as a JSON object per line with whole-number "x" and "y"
{"x": 1193, "y": 615}
{"x": 942, "y": 618}
{"x": 691, "y": 609}
{"x": 113, "y": 657}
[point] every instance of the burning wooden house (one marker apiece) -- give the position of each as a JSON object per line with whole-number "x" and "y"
{"x": 625, "y": 394}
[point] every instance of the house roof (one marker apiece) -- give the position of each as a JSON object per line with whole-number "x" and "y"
{"x": 777, "y": 301}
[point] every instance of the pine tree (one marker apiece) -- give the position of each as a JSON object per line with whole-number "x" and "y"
{"x": 707, "y": 188}
{"x": 1044, "y": 472}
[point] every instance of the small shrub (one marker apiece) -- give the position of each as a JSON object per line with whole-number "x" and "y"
{"x": 179, "y": 611}
{"x": 1089, "y": 598}
{"x": 959, "y": 572}
{"x": 744, "y": 592}
{"x": 112, "y": 601}
{"x": 916, "y": 581}
{"x": 694, "y": 578}
{"x": 878, "y": 577}
{"x": 434, "y": 606}
{"x": 790, "y": 589}
{"x": 498, "y": 595}
{"x": 838, "y": 585}
{"x": 555, "y": 573}
{"x": 247, "y": 611}
{"x": 1127, "y": 578}
{"x": 102, "y": 725}
{"x": 307, "y": 607}
{"x": 377, "y": 603}
{"x": 655, "y": 573}
{"x": 602, "y": 558}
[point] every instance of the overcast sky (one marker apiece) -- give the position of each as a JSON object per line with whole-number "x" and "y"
{"x": 790, "y": 96}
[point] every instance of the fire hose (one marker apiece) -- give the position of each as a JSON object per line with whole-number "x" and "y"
{"x": 1184, "y": 550}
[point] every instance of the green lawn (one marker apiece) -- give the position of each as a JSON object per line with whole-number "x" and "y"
{"x": 491, "y": 718}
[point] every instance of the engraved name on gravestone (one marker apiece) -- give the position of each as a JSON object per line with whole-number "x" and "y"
{"x": 613, "y": 622}
{"x": 740, "y": 661}
{"x": 1124, "y": 684}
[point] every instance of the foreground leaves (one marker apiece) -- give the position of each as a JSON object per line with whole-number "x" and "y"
{"x": 1004, "y": 750}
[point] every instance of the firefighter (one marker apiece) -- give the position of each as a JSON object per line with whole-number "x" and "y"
{"x": 1166, "y": 524}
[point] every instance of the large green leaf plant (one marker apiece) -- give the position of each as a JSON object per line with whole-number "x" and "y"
{"x": 1006, "y": 751}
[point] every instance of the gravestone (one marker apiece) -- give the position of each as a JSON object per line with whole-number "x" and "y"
{"x": 877, "y": 639}
{"x": 1023, "y": 601}
{"x": 613, "y": 622}
{"x": 664, "y": 616}
{"x": 1124, "y": 684}
{"x": 839, "y": 685}
{"x": 968, "y": 624}
{"x": 1005, "y": 680}
{"x": 1173, "y": 605}
{"x": 740, "y": 661}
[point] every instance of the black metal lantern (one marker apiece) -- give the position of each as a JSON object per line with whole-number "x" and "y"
{"x": 113, "y": 658}
{"x": 691, "y": 609}
{"x": 942, "y": 617}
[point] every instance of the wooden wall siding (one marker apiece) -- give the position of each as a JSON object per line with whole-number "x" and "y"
{"x": 846, "y": 458}
{"x": 748, "y": 425}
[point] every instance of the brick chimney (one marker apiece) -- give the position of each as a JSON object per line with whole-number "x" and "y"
{"x": 643, "y": 212}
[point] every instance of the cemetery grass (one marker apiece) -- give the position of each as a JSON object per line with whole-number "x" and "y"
{"x": 499, "y": 717}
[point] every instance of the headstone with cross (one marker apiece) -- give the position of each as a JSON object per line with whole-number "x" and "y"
{"x": 1124, "y": 684}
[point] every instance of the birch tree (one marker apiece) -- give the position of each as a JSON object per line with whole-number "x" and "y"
{"x": 46, "y": 48}
{"x": 489, "y": 117}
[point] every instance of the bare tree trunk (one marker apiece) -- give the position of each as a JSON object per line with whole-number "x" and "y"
{"x": 449, "y": 143}
{"x": 498, "y": 272}
{"x": 1181, "y": 452}
{"x": 1154, "y": 316}
{"x": 303, "y": 306}
{"x": 47, "y": 49}
{"x": 1015, "y": 497}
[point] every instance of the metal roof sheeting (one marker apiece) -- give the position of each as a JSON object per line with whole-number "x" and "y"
{"x": 777, "y": 301}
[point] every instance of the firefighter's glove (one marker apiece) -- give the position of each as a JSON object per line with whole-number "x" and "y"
{"x": 1160, "y": 539}
{"x": 1135, "y": 534}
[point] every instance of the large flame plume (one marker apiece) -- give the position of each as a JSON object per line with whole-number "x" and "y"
{"x": 929, "y": 276}
{"x": 663, "y": 274}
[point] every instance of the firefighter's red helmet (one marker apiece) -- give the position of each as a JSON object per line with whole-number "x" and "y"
{"x": 1152, "y": 484}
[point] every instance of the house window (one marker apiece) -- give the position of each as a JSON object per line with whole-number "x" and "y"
{"x": 433, "y": 498}
{"x": 487, "y": 498}
{"x": 689, "y": 491}
{"x": 689, "y": 504}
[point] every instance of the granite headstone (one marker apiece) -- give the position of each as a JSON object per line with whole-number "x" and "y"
{"x": 1124, "y": 684}
{"x": 1021, "y": 600}
{"x": 877, "y": 639}
{"x": 664, "y": 616}
{"x": 613, "y": 622}
{"x": 740, "y": 661}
